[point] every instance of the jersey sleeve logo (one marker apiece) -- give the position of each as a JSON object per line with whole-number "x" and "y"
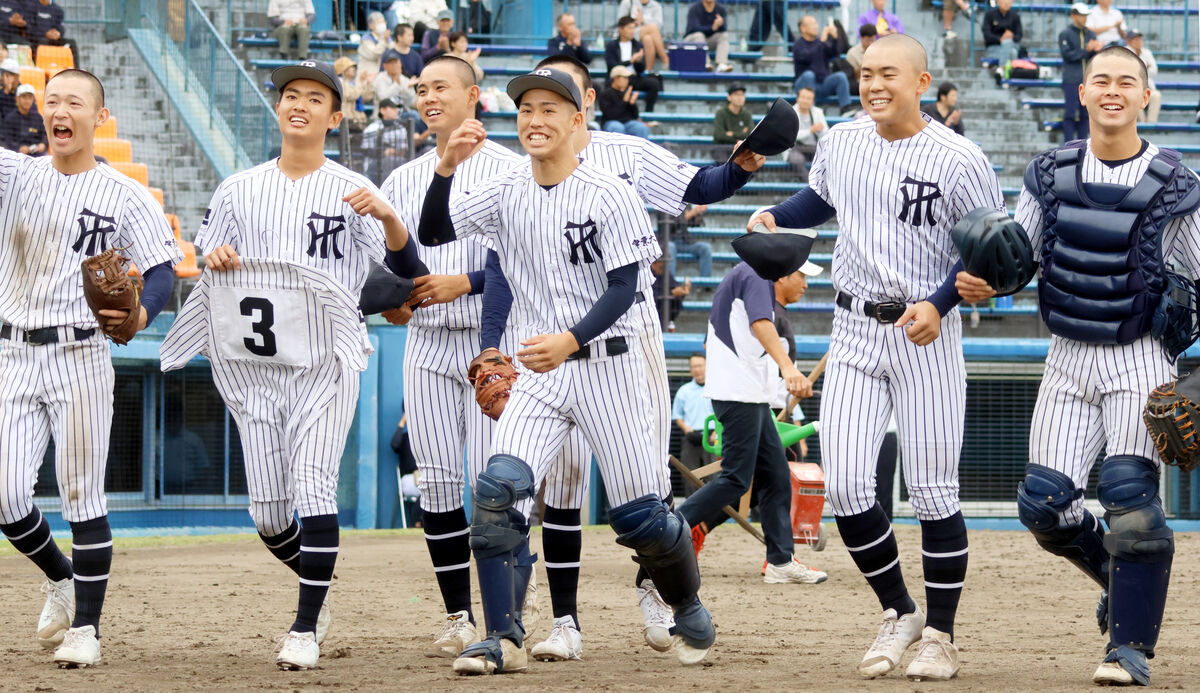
{"x": 323, "y": 231}
{"x": 582, "y": 242}
{"x": 93, "y": 230}
{"x": 919, "y": 196}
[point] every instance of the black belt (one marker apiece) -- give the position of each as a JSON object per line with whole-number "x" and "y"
{"x": 886, "y": 312}
{"x": 45, "y": 335}
{"x": 614, "y": 346}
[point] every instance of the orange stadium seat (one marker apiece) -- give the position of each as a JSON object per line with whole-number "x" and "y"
{"x": 157, "y": 194}
{"x": 34, "y": 77}
{"x": 113, "y": 149}
{"x": 40, "y": 96}
{"x": 108, "y": 129}
{"x": 55, "y": 59}
{"x": 138, "y": 172}
{"x": 188, "y": 268}
{"x": 173, "y": 222}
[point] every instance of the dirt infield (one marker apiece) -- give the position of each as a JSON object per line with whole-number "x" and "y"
{"x": 206, "y": 616}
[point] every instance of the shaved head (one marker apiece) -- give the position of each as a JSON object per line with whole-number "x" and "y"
{"x": 93, "y": 82}
{"x": 466, "y": 74}
{"x": 901, "y": 49}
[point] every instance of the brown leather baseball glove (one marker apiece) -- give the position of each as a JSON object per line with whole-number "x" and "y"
{"x": 1172, "y": 416}
{"x": 493, "y": 375}
{"x": 108, "y": 286}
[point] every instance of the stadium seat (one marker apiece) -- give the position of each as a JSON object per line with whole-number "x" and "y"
{"x": 188, "y": 268}
{"x": 108, "y": 129}
{"x": 113, "y": 149}
{"x": 138, "y": 172}
{"x": 173, "y": 222}
{"x": 54, "y": 59}
{"x": 33, "y": 77}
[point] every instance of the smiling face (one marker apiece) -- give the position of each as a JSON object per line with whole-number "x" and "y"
{"x": 445, "y": 96}
{"x": 1114, "y": 90}
{"x": 893, "y": 78}
{"x": 459, "y": 44}
{"x": 306, "y": 109}
{"x": 73, "y": 109}
{"x": 545, "y": 122}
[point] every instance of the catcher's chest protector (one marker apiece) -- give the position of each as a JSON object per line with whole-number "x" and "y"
{"x": 1102, "y": 269}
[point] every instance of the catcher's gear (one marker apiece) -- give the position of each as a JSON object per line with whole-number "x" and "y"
{"x": 108, "y": 286}
{"x": 1172, "y": 415}
{"x": 995, "y": 248}
{"x": 493, "y": 375}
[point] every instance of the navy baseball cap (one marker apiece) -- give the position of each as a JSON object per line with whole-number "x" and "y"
{"x": 389, "y": 54}
{"x": 553, "y": 80}
{"x": 392, "y": 101}
{"x": 774, "y": 256}
{"x": 774, "y": 134}
{"x": 315, "y": 70}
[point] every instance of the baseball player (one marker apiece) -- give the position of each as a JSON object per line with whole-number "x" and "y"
{"x": 897, "y": 182}
{"x": 56, "y": 374}
{"x": 575, "y": 242}
{"x": 293, "y": 415}
{"x": 443, "y": 338}
{"x": 1094, "y": 209}
{"x": 664, "y": 182}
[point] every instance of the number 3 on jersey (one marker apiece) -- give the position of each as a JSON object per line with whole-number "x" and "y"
{"x": 247, "y": 325}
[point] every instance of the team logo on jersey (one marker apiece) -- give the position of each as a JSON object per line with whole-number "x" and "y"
{"x": 324, "y": 232}
{"x": 625, "y": 177}
{"x": 582, "y": 239}
{"x": 93, "y": 230}
{"x": 918, "y": 201}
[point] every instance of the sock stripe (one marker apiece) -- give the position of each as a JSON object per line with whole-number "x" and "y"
{"x": 562, "y": 528}
{"x": 946, "y": 554}
{"x": 315, "y": 583}
{"x": 91, "y": 578}
{"x": 877, "y": 542}
{"x": 554, "y": 566}
{"x": 295, "y": 533}
{"x": 291, "y": 558}
{"x": 448, "y": 535}
{"x": 92, "y": 547}
{"x": 884, "y": 569}
{"x": 446, "y": 568}
{"x": 35, "y": 528}
{"x": 319, "y": 549}
{"x": 30, "y": 553}
{"x": 944, "y": 585}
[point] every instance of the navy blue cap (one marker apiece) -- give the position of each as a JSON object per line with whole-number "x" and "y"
{"x": 315, "y": 70}
{"x": 389, "y": 54}
{"x": 553, "y": 80}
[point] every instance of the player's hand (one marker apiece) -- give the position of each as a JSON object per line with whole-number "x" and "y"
{"x": 749, "y": 161}
{"x": 222, "y": 258}
{"x": 921, "y": 322}
{"x": 546, "y": 352}
{"x": 759, "y": 222}
{"x": 462, "y": 142}
{"x": 432, "y": 289}
{"x": 366, "y": 203}
{"x": 972, "y": 288}
{"x": 797, "y": 384}
{"x": 398, "y": 316}
{"x": 114, "y": 318}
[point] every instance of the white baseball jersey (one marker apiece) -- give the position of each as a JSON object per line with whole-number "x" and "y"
{"x": 659, "y": 176}
{"x": 264, "y": 214}
{"x": 61, "y": 220}
{"x": 1092, "y": 395}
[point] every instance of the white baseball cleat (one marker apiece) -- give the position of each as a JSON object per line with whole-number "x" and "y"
{"x": 529, "y": 608}
{"x": 1112, "y": 674}
{"x": 299, "y": 651}
{"x": 57, "y": 612}
{"x": 457, "y": 634}
{"x": 79, "y": 648}
{"x": 490, "y": 657}
{"x": 792, "y": 572}
{"x": 563, "y": 644}
{"x": 896, "y": 634}
{"x": 688, "y": 655}
{"x": 937, "y": 658}
{"x": 657, "y": 617}
{"x": 324, "y": 619}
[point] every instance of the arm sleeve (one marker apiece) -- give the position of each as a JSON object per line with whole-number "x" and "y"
{"x": 158, "y": 281}
{"x": 612, "y": 55}
{"x": 497, "y": 302}
{"x": 715, "y": 183}
{"x": 677, "y": 407}
{"x": 693, "y": 20}
{"x": 946, "y": 296}
{"x": 582, "y": 52}
{"x": 435, "y": 226}
{"x": 896, "y": 24}
{"x": 476, "y": 279}
{"x": 405, "y": 262}
{"x": 612, "y": 304}
{"x": 1070, "y": 51}
{"x": 802, "y": 210}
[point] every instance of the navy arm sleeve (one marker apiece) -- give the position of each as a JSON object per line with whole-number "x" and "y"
{"x": 715, "y": 183}
{"x": 946, "y": 296}
{"x": 405, "y": 262}
{"x": 435, "y": 227}
{"x": 156, "y": 290}
{"x": 477, "y": 279}
{"x": 497, "y": 302}
{"x": 612, "y": 304}
{"x": 803, "y": 210}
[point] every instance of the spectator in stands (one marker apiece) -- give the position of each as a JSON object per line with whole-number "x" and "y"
{"x": 707, "y": 23}
{"x": 10, "y": 79}
{"x": 1002, "y": 33}
{"x": 46, "y": 27}
{"x": 885, "y": 22}
{"x": 626, "y": 50}
{"x": 421, "y": 14}
{"x": 677, "y": 231}
{"x": 1107, "y": 23}
{"x": 690, "y": 409}
{"x": 648, "y": 19}
{"x": 810, "y": 59}
{"x": 372, "y": 45}
{"x": 13, "y": 21}
{"x": 437, "y": 42}
{"x": 568, "y": 40}
{"x": 813, "y": 127}
{"x": 668, "y": 290}
{"x": 867, "y": 33}
{"x": 354, "y": 93}
{"x": 768, "y": 13}
{"x": 733, "y": 122}
{"x": 618, "y": 105}
{"x": 291, "y": 19}
{"x": 476, "y": 18}
{"x": 411, "y": 63}
{"x": 949, "y": 7}
{"x": 1135, "y": 42}
{"x": 458, "y": 49}
{"x": 23, "y": 128}
{"x": 945, "y": 109}
{"x": 392, "y": 82}
{"x": 385, "y": 141}
{"x": 1077, "y": 44}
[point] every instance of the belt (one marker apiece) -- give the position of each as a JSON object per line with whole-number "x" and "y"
{"x": 613, "y": 346}
{"x": 45, "y": 335}
{"x": 886, "y": 312}
{"x": 639, "y": 297}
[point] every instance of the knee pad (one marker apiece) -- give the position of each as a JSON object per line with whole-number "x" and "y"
{"x": 1043, "y": 496}
{"x": 1127, "y": 483}
{"x": 271, "y": 517}
{"x": 662, "y": 540}
{"x": 505, "y": 481}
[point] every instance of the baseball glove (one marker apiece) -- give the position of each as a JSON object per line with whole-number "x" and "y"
{"x": 493, "y": 375}
{"x": 1172, "y": 416}
{"x": 108, "y": 286}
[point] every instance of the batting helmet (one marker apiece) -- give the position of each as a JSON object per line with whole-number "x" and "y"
{"x": 995, "y": 248}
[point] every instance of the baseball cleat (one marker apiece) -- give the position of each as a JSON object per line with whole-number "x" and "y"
{"x": 657, "y": 617}
{"x": 491, "y": 657}
{"x": 57, "y": 612}
{"x": 563, "y": 644}
{"x": 299, "y": 651}
{"x": 694, "y": 633}
{"x": 529, "y": 608}
{"x": 457, "y": 634}
{"x": 79, "y": 648}
{"x": 324, "y": 619}
{"x": 896, "y": 634}
{"x": 936, "y": 660}
{"x": 1111, "y": 674}
{"x": 1123, "y": 666}
{"x": 792, "y": 572}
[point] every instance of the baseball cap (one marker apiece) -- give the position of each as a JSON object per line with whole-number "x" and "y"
{"x": 556, "y": 81}
{"x": 391, "y": 101}
{"x": 11, "y": 66}
{"x": 1132, "y": 34}
{"x": 315, "y": 70}
{"x": 774, "y": 256}
{"x": 620, "y": 71}
{"x": 774, "y": 134}
{"x": 445, "y": 14}
{"x": 1080, "y": 8}
{"x": 25, "y": 89}
{"x": 810, "y": 269}
{"x": 735, "y": 87}
{"x": 389, "y": 54}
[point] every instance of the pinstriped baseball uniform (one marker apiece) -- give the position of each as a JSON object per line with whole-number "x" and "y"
{"x": 894, "y": 244}
{"x": 555, "y": 247}
{"x": 443, "y": 417}
{"x": 1092, "y": 395}
{"x": 54, "y": 221}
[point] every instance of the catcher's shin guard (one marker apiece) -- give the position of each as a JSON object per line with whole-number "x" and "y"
{"x": 498, "y": 531}
{"x": 1142, "y": 548}
{"x": 523, "y": 561}
{"x": 1041, "y": 498}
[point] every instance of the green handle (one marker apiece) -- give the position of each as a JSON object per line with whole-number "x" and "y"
{"x": 711, "y": 424}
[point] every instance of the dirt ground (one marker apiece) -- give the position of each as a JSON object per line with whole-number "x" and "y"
{"x": 207, "y": 615}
